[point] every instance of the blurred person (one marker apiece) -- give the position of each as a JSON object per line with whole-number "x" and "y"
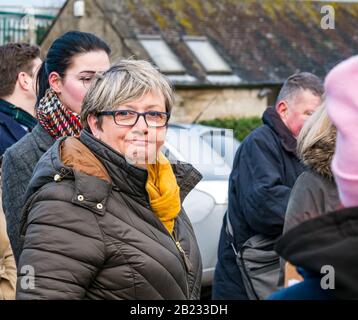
{"x": 105, "y": 217}
{"x": 315, "y": 191}
{"x": 264, "y": 171}
{"x": 19, "y": 63}
{"x": 62, "y": 82}
{"x": 329, "y": 241}
{"x": 7, "y": 261}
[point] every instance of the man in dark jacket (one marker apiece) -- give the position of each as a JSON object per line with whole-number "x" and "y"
{"x": 264, "y": 172}
{"x": 19, "y": 64}
{"x": 323, "y": 248}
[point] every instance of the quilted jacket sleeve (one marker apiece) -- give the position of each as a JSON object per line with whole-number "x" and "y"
{"x": 62, "y": 253}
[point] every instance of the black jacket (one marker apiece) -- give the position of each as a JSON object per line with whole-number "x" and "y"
{"x": 12, "y": 129}
{"x": 328, "y": 240}
{"x": 90, "y": 233}
{"x": 264, "y": 171}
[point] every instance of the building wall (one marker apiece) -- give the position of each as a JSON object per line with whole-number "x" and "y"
{"x": 217, "y": 103}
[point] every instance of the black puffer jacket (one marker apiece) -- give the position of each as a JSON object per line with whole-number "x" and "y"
{"x": 328, "y": 240}
{"x": 90, "y": 232}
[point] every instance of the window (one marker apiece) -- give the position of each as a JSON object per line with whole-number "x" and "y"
{"x": 161, "y": 54}
{"x": 207, "y": 55}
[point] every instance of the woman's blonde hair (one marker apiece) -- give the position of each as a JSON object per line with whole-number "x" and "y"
{"x": 318, "y": 127}
{"x": 125, "y": 81}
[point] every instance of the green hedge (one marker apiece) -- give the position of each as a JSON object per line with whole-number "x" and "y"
{"x": 242, "y": 127}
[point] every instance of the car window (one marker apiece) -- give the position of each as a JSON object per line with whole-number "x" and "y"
{"x": 211, "y": 153}
{"x": 223, "y": 142}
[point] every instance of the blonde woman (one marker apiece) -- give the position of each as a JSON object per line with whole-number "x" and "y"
{"x": 315, "y": 191}
{"x": 104, "y": 211}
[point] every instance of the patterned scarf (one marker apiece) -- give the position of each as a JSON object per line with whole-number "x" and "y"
{"x": 55, "y": 118}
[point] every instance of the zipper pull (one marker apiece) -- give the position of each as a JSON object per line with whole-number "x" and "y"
{"x": 188, "y": 265}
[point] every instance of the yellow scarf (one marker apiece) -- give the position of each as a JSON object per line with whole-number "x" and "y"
{"x": 163, "y": 191}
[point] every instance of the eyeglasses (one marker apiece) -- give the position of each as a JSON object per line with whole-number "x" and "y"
{"x": 128, "y": 118}
{"x": 85, "y": 78}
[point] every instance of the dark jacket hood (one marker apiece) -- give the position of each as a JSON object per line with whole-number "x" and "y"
{"x": 319, "y": 157}
{"x": 329, "y": 240}
{"x": 271, "y": 118}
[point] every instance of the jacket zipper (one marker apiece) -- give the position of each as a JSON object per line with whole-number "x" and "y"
{"x": 187, "y": 263}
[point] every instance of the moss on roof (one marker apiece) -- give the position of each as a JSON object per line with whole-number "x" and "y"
{"x": 262, "y": 40}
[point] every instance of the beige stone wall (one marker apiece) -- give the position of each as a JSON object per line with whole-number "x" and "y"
{"x": 217, "y": 103}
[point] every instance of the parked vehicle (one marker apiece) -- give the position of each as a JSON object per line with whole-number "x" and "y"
{"x": 211, "y": 150}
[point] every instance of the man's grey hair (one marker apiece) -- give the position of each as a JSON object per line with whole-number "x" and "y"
{"x": 298, "y": 82}
{"x": 125, "y": 81}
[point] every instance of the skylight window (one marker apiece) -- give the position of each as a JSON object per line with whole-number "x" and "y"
{"x": 206, "y": 54}
{"x": 161, "y": 54}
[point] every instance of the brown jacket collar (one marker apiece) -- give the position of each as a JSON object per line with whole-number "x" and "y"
{"x": 76, "y": 155}
{"x": 91, "y": 157}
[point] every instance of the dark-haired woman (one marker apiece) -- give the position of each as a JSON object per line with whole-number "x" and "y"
{"x": 62, "y": 82}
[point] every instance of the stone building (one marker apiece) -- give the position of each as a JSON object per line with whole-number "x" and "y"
{"x": 225, "y": 58}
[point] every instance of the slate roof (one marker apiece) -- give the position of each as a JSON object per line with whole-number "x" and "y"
{"x": 263, "y": 41}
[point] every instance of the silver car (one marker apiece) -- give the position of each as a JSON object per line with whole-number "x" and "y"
{"x": 211, "y": 151}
